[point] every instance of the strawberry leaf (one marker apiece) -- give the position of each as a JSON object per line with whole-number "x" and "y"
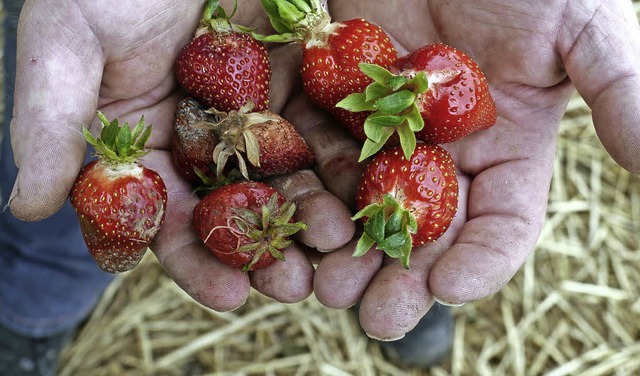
{"x": 364, "y": 245}
{"x": 376, "y": 91}
{"x": 405, "y": 250}
{"x": 301, "y": 5}
{"x": 375, "y": 226}
{"x": 119, "y": 144}
{"x": 123, "y": 141}
{"x": 275, "y": 252}
{"x": 395, "y": 222}
{"x": 89, "y": 137}
{"x": 407, "y": 140}
{"x": 105, "y": 151}
{"x": 377, "y": 121}
{"x": 252, "y": 148}
{"x": 371, "y": 147}
{"x": 356, "y": 102}
{"x": 395, "y": 240}
{"x": 393, "y": 245}
{"x": 138, "y": 129}
{"x": 420, "y": 83}
{"x": 247, "y": 216}
{"x": 396, "y": 82}
{"x": 275, "y": 38}
{"x": 289, "y": 12}
{"x": 414, "y": 119}
{"x": 377, "y": 73}
{"x": 367, "y": 211}
{"x": 396, "y": 103}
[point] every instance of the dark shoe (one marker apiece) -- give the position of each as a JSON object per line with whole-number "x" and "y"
{"x": 427, "y": 345}
{"x": 26, "y": 356}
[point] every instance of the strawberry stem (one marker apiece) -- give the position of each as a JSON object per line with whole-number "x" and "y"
{"x": 214, "y": 17}
{"x": 392, "y": 99}
{"x": 295, "y": 20}
{"x": 388, "y": 226}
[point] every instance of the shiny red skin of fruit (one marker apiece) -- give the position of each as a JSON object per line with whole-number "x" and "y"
{"x": 426, "y": 185}
{"x": 213, "y": 223}
{"x": 120, "y": 208}
{"x": 458, "y": 101}
{"x": 224, "y": 70}
{"x": 330, "y": 70}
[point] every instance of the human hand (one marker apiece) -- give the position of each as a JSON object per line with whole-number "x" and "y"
{"x": 533, "y": 56}
{"x": 118, "y": 57}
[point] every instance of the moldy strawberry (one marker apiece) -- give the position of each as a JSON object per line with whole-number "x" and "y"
{"x": 120, "y": 203}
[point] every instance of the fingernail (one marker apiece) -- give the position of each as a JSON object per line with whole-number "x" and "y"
{"x": 384, "y": 339}
{"x": 442, "y": 302}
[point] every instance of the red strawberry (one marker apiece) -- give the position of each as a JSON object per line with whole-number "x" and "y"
{"x": 120, "y": 203}
{"x": 272, "y": 146}
{"x": 437, "y": 91}
{"x": 223, "y": 66}
{"x": 246, "y": 225}
{"x": 406, "y": 203}
{"x": 331, "y": 50}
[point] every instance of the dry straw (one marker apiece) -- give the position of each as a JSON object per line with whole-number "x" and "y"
{"x": 572, "y": 309}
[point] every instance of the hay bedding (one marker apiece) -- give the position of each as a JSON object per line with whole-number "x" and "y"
{"x": 572, "y": 309}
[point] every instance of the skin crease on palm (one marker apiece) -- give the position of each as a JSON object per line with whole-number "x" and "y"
{"x": 83, "y": 56}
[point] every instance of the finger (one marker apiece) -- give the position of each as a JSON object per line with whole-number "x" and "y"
{"x": 336, "y": 151}
{"x": 328, "y": 220}
{"x": 59, "y": 67}
{"x": 600, "y": 48}
{"x": 287, "y": 281}
{"x": 341, "y": 279}
{"x": 285, "y": 74}
{"x": 505, "y": 213}
{"x": 182, "y": 254}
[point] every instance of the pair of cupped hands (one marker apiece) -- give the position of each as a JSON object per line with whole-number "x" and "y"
{"x": 79, "y": 56}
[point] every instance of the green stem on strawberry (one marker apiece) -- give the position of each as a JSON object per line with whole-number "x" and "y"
{"x": 214, "y": 17}
{"x": 269, "y": 230}
{"x": 119, "y": 144}
{"x": 392, "y": 99}
{"x": 304, "y": 21}
{"x": 388, "y": 227}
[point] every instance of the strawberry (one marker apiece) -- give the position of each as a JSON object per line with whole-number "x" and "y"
{"x": 191, "y": 146}
{"x": 331, "y": 51}
{"x": 120, "y": 203}
{"x": 271, "y": 144}
{"x": 436, "y": 94}
{"x": 224, "y": 66}
{"x": 406, "y": 203}
{"x": 246, "y": 225}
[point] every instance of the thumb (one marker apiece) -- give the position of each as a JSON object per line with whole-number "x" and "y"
{"x": 58, "y": 73}
{"x": 603, "y": 62}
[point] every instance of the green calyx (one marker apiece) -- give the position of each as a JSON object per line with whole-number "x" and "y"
{"x": 209, "y": 184}
{"x": 389, "y": 228}
{"x": 118, "y": 143}
{"x": 392, "y": 99}
{"x": 214, "y": 17}
{"x": 294, "y": 20}
{"x": 269, "y": 229}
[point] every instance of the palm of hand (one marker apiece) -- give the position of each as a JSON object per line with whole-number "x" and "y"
{"x": 504, "y": 172}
